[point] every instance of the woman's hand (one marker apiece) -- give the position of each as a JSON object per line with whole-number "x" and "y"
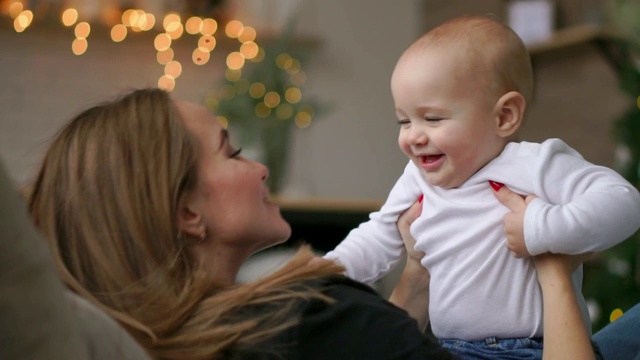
{"x": 412, "y": 290}
{"x": 564, "y": 329}
{"x": 513, "y": 220}
{"x": 404, "y": 223}
{"x": 551, "y": 266}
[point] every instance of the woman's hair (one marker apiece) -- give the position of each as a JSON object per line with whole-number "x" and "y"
{"x": 106, "y": 197}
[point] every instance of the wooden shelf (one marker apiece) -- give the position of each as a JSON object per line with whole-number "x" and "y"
{"x": 328, "y": 205}
{"x": 322, "y": 222}
{"x": 571, "y": 36}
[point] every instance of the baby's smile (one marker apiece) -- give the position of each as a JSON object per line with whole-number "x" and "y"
{"x": 431, "y": 162}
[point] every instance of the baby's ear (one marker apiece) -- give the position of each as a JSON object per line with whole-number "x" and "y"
{"x": 509, "y": 112}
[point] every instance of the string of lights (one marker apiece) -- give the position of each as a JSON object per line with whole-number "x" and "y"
{"x": 170, "y": 28}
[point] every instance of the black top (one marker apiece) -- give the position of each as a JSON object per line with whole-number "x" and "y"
{"x": 359, "y": 325}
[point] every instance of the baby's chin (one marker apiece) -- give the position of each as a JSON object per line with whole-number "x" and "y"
{"x": 436, "y": 181}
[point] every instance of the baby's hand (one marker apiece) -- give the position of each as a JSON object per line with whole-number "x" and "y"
{"x": 514, "y": 220}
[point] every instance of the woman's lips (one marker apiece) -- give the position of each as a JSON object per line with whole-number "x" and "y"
{"x": 431, "y": 162}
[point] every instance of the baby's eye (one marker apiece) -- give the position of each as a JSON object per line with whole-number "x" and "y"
{"x": 404, "y": 122}
{"x": 433, "y": 119}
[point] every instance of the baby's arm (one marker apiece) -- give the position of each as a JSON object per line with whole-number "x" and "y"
{"x": 580, "y": 207}
{"x": 375, "y": 247}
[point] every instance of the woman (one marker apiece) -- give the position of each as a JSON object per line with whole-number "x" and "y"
{"x": 150, "y": 212}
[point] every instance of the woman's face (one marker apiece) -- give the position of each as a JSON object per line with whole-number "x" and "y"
{"x": 230, "y": 195}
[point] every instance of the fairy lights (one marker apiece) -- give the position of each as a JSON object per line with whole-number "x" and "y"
{"x": 280, "y": 102}
{"x": 170, "y": 27}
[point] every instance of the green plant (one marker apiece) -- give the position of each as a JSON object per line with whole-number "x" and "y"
{"x": 262, "y": 102}
{"x": 613, "y": 279}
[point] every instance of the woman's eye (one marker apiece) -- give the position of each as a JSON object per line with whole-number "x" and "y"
{"x": 236, "y": 153}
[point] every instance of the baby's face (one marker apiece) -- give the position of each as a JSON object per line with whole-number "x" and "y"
{"x": 447, "y": 119}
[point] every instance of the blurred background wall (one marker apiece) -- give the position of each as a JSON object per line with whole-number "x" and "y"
{"x": 351, "y": 152}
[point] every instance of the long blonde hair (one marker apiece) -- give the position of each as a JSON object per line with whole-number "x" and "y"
{"x": 106, "y": 197}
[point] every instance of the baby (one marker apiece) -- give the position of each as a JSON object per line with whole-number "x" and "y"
{"x": 460, "y": 94}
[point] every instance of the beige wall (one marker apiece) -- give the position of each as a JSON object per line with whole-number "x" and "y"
{"x": 352, "y": 152}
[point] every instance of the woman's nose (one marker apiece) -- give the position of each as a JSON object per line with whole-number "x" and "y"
{"x": 264, "y": 171}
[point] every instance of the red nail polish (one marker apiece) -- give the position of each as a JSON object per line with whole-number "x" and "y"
{"x": 496, "y": 185}
{"x": 421, "y": 198}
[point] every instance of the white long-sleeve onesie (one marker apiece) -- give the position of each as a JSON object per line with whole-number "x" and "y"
{"x": 478, "y": 289}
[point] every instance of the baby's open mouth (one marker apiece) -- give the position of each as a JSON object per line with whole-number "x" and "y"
{"x": 428, "y": 159}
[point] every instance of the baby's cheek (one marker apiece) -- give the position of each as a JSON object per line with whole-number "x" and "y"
{"x": 404, "y": 146}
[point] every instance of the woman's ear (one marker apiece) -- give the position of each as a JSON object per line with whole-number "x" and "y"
{"x": 190, "y": 221}
{"x": 509, "y": 110}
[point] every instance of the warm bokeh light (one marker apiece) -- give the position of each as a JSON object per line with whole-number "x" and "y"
{"x": 118, "y": 32}
{"x": 307, "y": 109}
{"x": 293, "y": 95}
{"x": 284, "y": 111}
{"x": 167, "y": 83}
{"x": 262, "y": 110}
{"x": 82, "y": 30}
{"x": 248, "y": 34}
{"x": 234, "y": 28}
{"x": 256, "y": 90}
{"x": 79, "y": 46}
{"x": 208, "y": 42}
{"x": 293, "y": 67}
{"x": 272, "y": 99}
{"x": 193, "y": 25}
{"x": 615, "y": 314}
{"x": 283, "y": 60}
{"x": 24, "y": 19}
{"x": 260, "y": 56}
{"x": 176, "y": 31}
{"x": 200, "y": 56}
{"x": 149, "y": 23}
{"x": 17, "y": 25}
{"x": 15, "y": 9}
{"x": 126, "y": 16}
{"x": 173, "y": 69}
{"x": 235, "y": 60}
{"x": 134, "y": 19}
{"x": 162, "y": 42}
{"x": 224, "y": 122}
{"x": 303, "y": 119}
{"x": 141, "y": 21}
{"x": 164, "y": 56}
{"x": 249, "y": 50}
{"x": 232, "y": 75}
{"x": 171, "y": 21}
{"x": 69, "y": 17}
{"x": 209, "y": 26}
{"x": 110, "y": 15}
{"x": 124, "y": 21}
